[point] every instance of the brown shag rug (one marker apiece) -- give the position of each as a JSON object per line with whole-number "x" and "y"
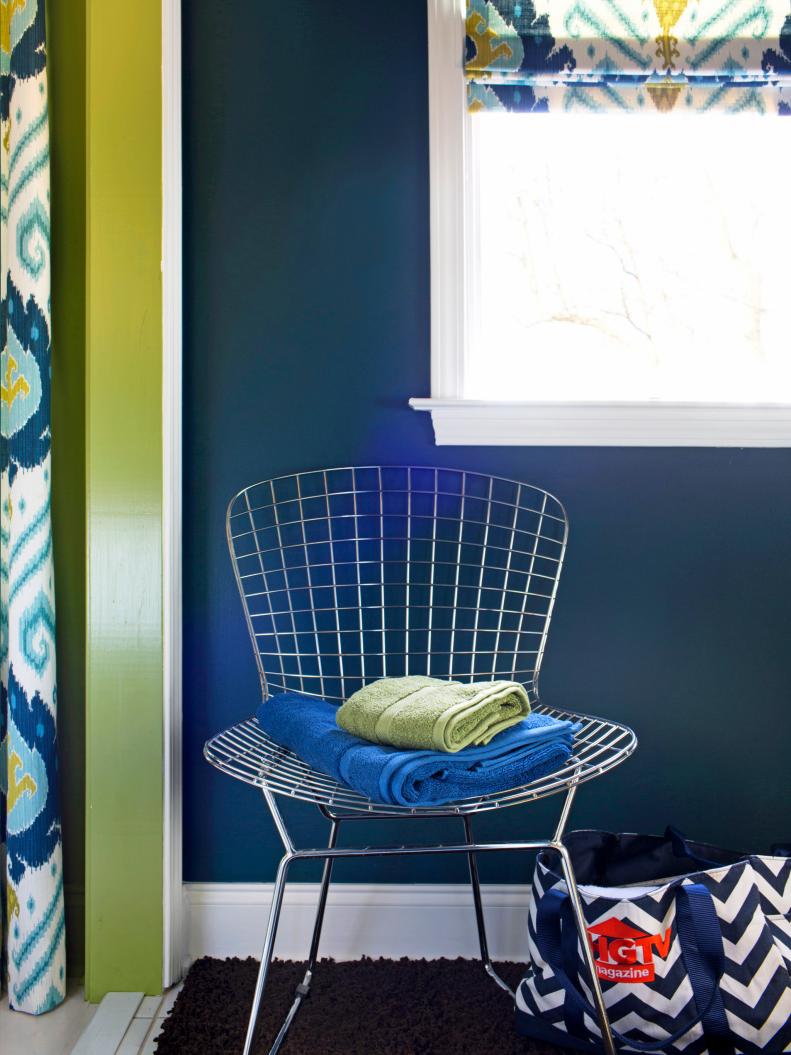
{"x": 367, "y": 1007}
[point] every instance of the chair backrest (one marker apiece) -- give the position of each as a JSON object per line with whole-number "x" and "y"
{"x": 349, "y": 575}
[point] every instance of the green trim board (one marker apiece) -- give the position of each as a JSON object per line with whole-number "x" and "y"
{"x": 124, "y": 694}
{"x": 66, "y": 69}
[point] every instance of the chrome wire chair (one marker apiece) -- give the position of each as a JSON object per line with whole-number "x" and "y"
{"x": 349, "y": 575}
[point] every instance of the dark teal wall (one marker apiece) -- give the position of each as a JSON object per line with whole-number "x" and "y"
{"x": 307, "y": 330}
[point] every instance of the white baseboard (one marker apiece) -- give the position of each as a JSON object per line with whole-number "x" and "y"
{"x": 229, "y": 919}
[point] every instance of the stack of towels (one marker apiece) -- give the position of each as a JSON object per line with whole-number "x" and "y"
{"x": 419, "y": 741}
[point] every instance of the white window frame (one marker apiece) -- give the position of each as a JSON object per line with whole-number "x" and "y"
{"x": 459, "y": 421}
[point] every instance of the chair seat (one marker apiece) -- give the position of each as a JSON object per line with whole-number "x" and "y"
{"x": 245, "y": 752}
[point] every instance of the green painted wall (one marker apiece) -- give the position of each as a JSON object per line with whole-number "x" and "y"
{"x": 124, "y": 499}
{"x": 66, "y": 56}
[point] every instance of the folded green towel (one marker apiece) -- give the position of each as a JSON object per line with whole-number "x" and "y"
{"x": 432, "y": 715}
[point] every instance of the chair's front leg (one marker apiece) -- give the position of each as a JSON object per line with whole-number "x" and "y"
{"x": 266, "y": 954}
{"x": 587, "y": 951}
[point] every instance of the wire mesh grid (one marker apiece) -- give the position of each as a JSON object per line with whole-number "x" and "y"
{"x": 248, "y": 754}
{"x": 349, "y": 575}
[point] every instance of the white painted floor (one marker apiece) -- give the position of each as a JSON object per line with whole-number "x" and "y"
{"x": 55, "y": 1033}
{"x": 59, "y": 1031}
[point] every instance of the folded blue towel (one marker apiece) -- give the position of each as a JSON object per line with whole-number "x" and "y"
{"x": 306, "y": 725}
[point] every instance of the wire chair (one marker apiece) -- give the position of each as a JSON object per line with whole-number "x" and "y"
{"x": 349, "y": 575}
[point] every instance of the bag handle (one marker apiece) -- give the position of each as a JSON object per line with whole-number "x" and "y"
{"x": 701, "y": 944}
{"x": 681, "y": 848}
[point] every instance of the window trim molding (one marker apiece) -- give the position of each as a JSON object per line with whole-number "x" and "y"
{"x": 450, "y": 257}
{"x": 459, "y": 421}
{"x": 469, "y": 422}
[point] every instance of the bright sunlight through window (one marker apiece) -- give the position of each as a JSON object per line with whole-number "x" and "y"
{"x": 631, "y": 259}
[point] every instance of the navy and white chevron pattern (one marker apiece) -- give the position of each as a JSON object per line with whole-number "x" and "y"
{"x": 753, "y": 904}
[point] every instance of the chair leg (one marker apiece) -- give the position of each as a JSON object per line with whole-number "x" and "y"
{"x": 266, "y": 954}
{"x": 479, "y": 917}
{"x": 579, "y": 916}
{"x": 304, "y": 987}
{"x": 313, "y": 955}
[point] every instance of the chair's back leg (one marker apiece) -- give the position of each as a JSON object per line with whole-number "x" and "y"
{"x": 479, "y": 917}
{"x": 325, "y": 886}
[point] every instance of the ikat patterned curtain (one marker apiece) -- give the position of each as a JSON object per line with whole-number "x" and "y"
{"x": 34, "y": 958}
{"x": 669, "y": 56}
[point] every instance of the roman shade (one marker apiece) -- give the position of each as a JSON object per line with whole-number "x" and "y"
{"x": 696, "y": 56}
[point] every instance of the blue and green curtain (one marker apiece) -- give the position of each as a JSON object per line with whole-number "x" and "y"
{"x": 665, "y": 56}
{"x": 34, "y": 959}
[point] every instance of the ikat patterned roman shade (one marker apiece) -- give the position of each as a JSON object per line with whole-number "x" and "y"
{"x": 32, "y": 918}
{"x": 670, "y": 56}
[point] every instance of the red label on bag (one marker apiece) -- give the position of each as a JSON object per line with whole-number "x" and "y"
{"x": 625, "y": 954}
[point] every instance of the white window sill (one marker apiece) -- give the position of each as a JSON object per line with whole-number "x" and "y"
{"x": 468, "y": 422}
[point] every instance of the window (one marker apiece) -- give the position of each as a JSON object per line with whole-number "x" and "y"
{"x": 618, "y": 277}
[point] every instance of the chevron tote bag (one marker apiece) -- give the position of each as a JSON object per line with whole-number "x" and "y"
{"x": 692, "y": 946}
